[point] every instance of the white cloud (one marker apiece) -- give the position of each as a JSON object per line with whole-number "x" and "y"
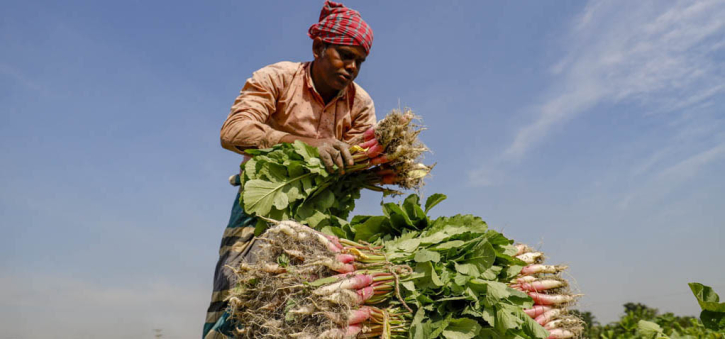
{"x": 634, "y": 51}
{"x": 659, "y": 55}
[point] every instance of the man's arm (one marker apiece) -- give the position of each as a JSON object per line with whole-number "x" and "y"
{"x": 363, "y": 120}
{"x": 246, "y": 126}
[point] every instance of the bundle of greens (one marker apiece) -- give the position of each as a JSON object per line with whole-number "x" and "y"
{"x": 461, "y": 270}
{"x": 289, "y": 181}
{"x": 398, "y": 275}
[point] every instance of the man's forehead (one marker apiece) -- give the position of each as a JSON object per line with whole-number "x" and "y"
{"x": 357, "y": 50}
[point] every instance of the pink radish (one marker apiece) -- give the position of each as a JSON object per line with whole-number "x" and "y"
{"x": 345, "y": 258}
{"x": 537, "y": 310}
{"x": 548, "y": 316}
{"x": 343, "y": 268}
{"x": 537, "y": 268}
{"x": 365, "y": 294}
{"x": 559, "y": 333}
{"x": 552, "y": 299}
{"x": 524, "y": 279}
{"x": 359, "y": 315}
{"x": 379, "y": 160}
{"x": 353, "y": 330}
{"x": 542, "y": 285}
{"x": 350, "y": 283}
{"x": 369, "y": 143}
{"x": 369, "y": 134}
{"x": 374, "y": 151}
{"x": 334, "y": 240}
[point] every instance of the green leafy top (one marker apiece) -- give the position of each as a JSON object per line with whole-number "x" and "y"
{"x": 713, "y": 311}
{"x": 461, "y": 269}
{"x": 288, "y": 181}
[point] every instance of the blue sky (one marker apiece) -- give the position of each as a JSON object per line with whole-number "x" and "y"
{"x": 592, "y": 130}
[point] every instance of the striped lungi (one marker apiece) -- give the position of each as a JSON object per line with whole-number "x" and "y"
{"x": 235, "y": 245}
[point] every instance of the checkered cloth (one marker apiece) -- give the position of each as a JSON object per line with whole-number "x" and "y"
{"x": 342, "y": 26}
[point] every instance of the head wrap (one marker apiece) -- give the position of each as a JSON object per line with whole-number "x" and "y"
{"x": 342, "y": 26}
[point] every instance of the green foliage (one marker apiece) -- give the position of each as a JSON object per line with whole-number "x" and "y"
{"x": 459, "y": 288}
{"x": 642, "y": 322}
{"x": 288, "y": 181}
{"x": 713, "y": 311}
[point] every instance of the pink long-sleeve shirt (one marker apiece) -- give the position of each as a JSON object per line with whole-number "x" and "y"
{"x": 280, "y": 99}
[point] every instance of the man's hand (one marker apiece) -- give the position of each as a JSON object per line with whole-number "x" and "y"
{"x": 335, "y": 152}
{"x": 332, "y": 151}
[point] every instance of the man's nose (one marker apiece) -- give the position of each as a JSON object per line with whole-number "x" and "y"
{"x": 351, "y": 67}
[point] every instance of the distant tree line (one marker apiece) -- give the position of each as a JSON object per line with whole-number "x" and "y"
{"x": 641, "y": 321}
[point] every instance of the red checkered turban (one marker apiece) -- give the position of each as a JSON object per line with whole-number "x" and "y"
{"x": 342, "y": 26}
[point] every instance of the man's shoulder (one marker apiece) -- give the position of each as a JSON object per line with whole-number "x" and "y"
{"x": 361, "y": 95}
{"x": 281, "y": 68}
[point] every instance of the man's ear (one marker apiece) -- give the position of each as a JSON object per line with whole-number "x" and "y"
{"x": 318, "y": 47}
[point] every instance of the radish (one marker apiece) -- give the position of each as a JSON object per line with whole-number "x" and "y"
{"x": 548, "y": 316}
{"x": 345, "y": 258}
{"x": 374, "y": 151}
{"x": 563, "y": 322}
{"x": 380, "y": 160}
{"x": 522, "y": 248}
{"x": 524, "y": 279}
{"x": 369, "y": 143}
{"x": 552, "y": 299}
{"x": 537, "y": 268}
{"x": 537, "y": 310}
{"x": 365, "y": 293}
{"x": 542, "y": 285}
{"x": 559, "y": 333}
{"x": 266, "y": 267}
{"x": 531, "y": 257}
{"x": 351, "y": 283}
{"x": 350, "y": 332}
{"x": 359, "y": 315}
{"x": 369, "y": 134}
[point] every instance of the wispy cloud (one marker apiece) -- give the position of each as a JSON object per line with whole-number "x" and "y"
{"x": 655, "y": 54}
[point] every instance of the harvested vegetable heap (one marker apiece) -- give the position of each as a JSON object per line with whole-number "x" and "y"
{"x": 399, "y": 275}
{"x": 396, "y": 275}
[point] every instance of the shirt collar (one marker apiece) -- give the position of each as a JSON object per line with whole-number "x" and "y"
{"x": 349, "y": 91}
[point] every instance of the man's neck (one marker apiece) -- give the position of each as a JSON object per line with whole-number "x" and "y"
{"x": 327, "y": 93}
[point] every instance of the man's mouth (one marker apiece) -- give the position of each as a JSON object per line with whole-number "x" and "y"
{"x": 345, "y": 77}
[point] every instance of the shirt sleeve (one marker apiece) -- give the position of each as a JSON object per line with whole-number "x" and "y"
{"x": 361, "y": 122}
{"x": 246, "y": 126}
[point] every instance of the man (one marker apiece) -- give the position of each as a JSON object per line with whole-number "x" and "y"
{"x": 315, "y": 102}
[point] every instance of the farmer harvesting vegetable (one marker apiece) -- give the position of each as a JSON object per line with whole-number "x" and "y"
{"x": 314, "y": 102}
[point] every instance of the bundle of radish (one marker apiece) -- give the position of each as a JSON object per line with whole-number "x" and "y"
{"x": 399, "y": 275}
{"x": 289, "y": 181}
{"x": 309, "y": 285}
{"x": 550, "y": 292}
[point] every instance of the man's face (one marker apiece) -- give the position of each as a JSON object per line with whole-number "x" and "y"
{"x": 339, "y": 65}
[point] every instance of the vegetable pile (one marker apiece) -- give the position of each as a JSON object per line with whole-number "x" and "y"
{"x": 289, "y": 181}
{"x": 397, "y": 275}
{"x": 550, "y": 292}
